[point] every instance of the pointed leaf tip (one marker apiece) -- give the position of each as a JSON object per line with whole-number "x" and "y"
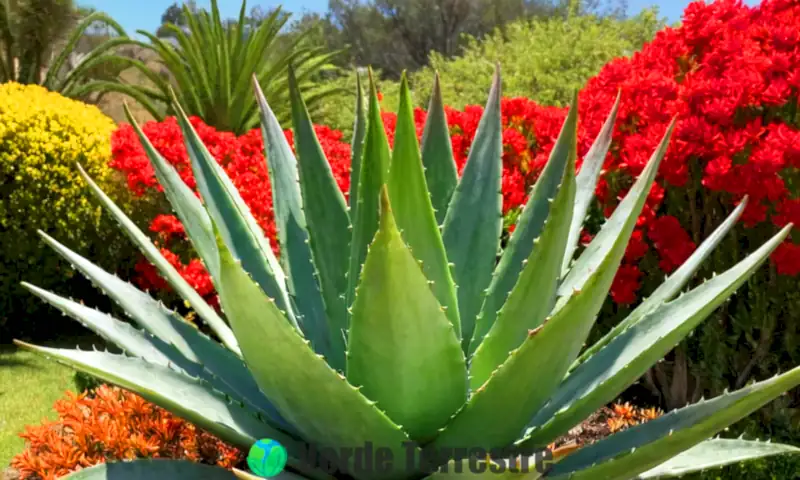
{"x": 386, "y": 221}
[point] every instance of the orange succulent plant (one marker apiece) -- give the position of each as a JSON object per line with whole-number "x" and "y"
{"x": 624, "y": 415}
{"x": 113, "y": 424}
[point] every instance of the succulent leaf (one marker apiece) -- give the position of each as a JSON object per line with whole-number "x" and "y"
{"x": 307, "y": 392}
{"x": 290, "y": 222}
{"x": 528, "y": 246}
{"x": 185, "y": 204}
{"x": 608, "y": 246}
{"x": 235, "y": 221}
{"x": 134, "y": 342}
{"x": 628, "y": 356}
{"x": 587, "y": 180}
{"x": 413, "y": 212}
{"x": 374, "y": 174}
{"x": 357, "y": 147}
{"x": 147, "y": 469}
{"x": 327, "y": 220}
{"x": 533, "y": 295}
{"x": 166, "y": 269}
{"x": 495, "y": 414}
{"x": 148, "y": 313}
{"x": 403, "y": 351}
{"x": 642, "y": 447}
{"x": 219, "y": 367}
{"x": 472, "y": 225}
{"x": 187, "y": 397}
{"x": 671, "y": 285}
{"x": 716, "y": 453}
{"x": 441, "y": 174}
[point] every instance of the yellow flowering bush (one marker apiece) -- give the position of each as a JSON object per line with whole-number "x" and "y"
{"x": 42, "y": 137}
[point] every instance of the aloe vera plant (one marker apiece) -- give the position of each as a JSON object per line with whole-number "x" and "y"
{"x": 377, "y": 326}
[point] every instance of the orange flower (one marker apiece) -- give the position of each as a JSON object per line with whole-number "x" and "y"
{"x": 616, "y": 424}
{"x": 647, "y": 414}
{"x": 625, "y": 410}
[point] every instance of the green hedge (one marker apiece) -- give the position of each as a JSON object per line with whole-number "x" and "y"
{"x": 546, "y": 60}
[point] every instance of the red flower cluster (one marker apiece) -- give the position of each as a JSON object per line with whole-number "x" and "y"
{"x": 727, "y": 75}
{"x": 113, "y": 424}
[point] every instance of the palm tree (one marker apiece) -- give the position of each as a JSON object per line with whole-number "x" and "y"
{"x": 210, "y": 63}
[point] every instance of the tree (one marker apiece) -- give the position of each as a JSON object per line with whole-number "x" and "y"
{"x": 397, "y": 35}
{"x": 174, "y": 15}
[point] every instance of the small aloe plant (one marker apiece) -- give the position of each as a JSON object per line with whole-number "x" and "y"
{"x": 378, "y": 326}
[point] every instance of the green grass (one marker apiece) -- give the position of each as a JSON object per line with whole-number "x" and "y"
{"x": 29, "y": 385}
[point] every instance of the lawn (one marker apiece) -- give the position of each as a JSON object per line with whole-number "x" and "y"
{"x": 29, "y": 385}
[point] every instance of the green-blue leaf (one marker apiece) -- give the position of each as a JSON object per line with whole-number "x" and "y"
{"x": 642, "y": 447}
{"x": 357, "y": 147}
{"x": 671, "y": 285}
{"x": 411, "y": 204}
{"x": 717, "y": 453}
{"x": 290, "y": 222}
{"x": 533, "y": 294}
{"x": 374, "y": 174}
{"x": 441, "y": 174}
{"x": 627, "y": 357}
{"x": 234, "y": 219}
{"x": 187, "y": 206}
{"x": 403, "y": 351}
{"x": 307, "y": 392}
{"x": 587, "y": 181}
{"x": 166, "y": 269}
{"x": 529, "y": 227}
{"x": 497, "y": 411}
{"x": 328, "y": 222}
{"x": 472, "y": 226}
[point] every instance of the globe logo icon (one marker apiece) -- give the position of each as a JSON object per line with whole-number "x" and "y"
{"x": 267, "y": 458}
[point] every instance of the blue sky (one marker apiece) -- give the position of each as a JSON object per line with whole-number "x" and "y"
{"x": 146, "y": 14}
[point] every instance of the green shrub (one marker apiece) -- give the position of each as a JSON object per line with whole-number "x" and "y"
{"x": 42, "y": 136}
{"x": 546, "y": 60}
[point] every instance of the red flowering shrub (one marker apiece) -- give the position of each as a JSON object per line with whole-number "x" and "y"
{"x": 113, "y": 424}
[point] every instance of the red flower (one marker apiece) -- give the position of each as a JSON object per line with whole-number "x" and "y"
{"x": 787, "y": 258}
{"x": 637, "y": 247}
{"x": 671, "y": 241}
{"x": 625, "y": 285}
{"x": 167, "y": 226}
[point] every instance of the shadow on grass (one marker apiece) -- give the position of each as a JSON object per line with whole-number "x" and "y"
{"x": 14, "y": 362}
